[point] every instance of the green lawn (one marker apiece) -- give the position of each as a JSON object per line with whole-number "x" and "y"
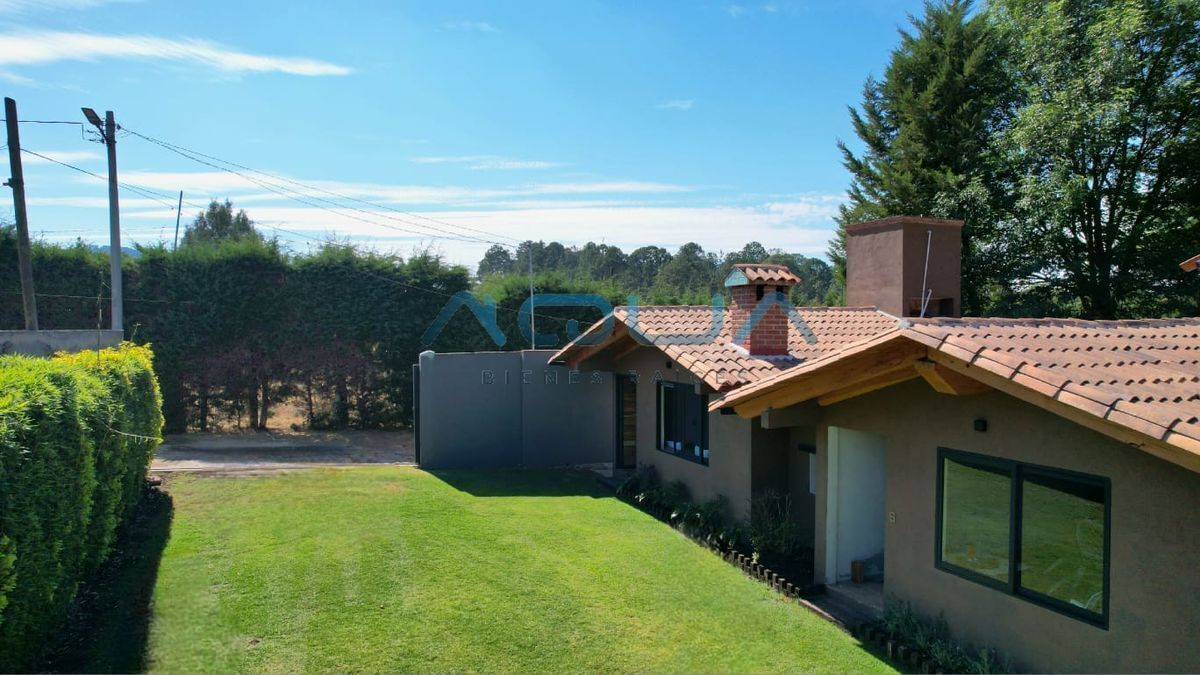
{"x": 398, "y": 569}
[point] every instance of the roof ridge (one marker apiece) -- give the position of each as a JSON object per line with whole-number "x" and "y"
{"x": 1050, "y": 321}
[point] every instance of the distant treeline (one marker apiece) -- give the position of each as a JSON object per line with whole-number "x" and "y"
{"x": 689, "y": 276}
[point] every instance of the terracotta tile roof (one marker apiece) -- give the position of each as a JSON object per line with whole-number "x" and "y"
{"x": 767, "y": 274}
{"x": 1142, "y": 374}
{"x": 1190, "y": 264}
{"x": 721, "y": 364}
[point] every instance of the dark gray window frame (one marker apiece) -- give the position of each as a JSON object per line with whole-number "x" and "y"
{"x": 1016, "y": 472}
{"x": 658, "y": 422}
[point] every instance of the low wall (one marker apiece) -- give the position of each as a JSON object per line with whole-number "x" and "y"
{"x": 508, "y": 409}
{"x": 47, "y": 342}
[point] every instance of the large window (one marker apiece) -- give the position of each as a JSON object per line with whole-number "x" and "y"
{"x": 1035, "y": 532}
{"x": 682, "y": 421}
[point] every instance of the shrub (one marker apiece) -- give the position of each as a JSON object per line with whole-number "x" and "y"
{"x": 772, "y": 529}
{"x": 671, "y": 502}
{"x": 932, "y": 638}
{"x": 76, "y": 436}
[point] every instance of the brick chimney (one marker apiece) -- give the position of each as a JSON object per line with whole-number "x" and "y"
{"x": 748, "y": 284}
{"x": 885, "y": 265}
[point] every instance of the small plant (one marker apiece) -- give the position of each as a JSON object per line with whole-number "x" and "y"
{"x": 772, "y": 528}
{"x": 932, "y": 638}
{"x": 989, "y": 661}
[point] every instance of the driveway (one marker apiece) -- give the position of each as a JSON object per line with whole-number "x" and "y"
{"x": 269, "y": 451}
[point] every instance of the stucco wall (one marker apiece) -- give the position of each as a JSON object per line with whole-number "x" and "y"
{"x": 875, "y": 269}
{"x": 505, "y": 409}
{"x": 1155, "y": 530}
{"x": 728, "y": 472}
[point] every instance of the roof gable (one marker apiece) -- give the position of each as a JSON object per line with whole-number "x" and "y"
{"x": 1138, "y": 381}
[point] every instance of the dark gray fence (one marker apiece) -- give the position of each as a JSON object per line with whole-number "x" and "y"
{"x": 507, "y": 409}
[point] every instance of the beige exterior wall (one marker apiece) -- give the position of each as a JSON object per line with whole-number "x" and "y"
{"x": 729, "y": 470}
{"x": 1155, "y": 529}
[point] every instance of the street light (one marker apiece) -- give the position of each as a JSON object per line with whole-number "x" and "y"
{"x": 95, "y": 120}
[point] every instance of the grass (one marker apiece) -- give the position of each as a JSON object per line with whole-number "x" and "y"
{"x": 397, "y": 569}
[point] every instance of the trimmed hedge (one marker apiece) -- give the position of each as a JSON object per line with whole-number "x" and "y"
{"x": 77, "y": 433}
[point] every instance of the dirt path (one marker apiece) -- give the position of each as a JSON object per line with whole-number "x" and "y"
{"x": 251, "y": 452}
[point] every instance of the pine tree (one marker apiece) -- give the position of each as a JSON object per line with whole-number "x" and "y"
{"x": 925, "y": 129}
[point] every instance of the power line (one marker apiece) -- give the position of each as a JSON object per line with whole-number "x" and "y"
{"x": 305, "y": 199}
{"x": 127, "y": 186}
{"x": 45, "y": 122}
{"x": 181, "y": 150}
{"x": 102, "y": 298}
{"x": 160, "y": 197}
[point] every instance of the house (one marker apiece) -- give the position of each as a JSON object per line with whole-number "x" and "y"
{"x": 1036, "y": 481}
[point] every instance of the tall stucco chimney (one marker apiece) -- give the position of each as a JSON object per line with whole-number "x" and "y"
{"x": 886, "y": 265}
{"x": 748, "y": 285}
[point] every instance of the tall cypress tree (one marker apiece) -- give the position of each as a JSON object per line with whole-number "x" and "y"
{"x": 925, "y": 130}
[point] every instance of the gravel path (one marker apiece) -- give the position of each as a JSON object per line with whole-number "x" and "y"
{"x": 263, "y": 452}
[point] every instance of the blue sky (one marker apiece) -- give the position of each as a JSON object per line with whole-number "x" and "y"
{"x": 629, "y": 122}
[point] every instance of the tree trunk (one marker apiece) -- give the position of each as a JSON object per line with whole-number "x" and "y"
{"x": 264, "y": 410}
{"x": 252, "y": 408}
{"x": 204, "y": 408}
{"x": 308, "y": 398}
{"x": 341, "y": 404}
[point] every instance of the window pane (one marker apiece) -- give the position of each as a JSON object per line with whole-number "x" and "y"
{"x": 1062, "y": 540}
{"x": 667, "y": 419}
{"x": 691, "y": 415}
{"x": 975, "y": 518}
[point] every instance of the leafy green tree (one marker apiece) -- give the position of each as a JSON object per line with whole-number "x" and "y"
{"x": 925, "y": 128}
{"x": 219, "y": 223}
{"x": 690, "y": 277}
{"x": 1107, "y": 145}
{"x": 601, "y": 261}
{"x": 496, "y": 260}
{"x": 816, "y": 280}
{"x": 643, "y": 266}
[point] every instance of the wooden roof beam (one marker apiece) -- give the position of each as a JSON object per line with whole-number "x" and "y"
{"x": 901, "y": 374}
{"x": 947, "y": 381}
{"x": 843, "y": 373}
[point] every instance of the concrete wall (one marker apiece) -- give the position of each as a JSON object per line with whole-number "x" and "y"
{"x": 505, "y": 409}
{"x": 46, "y": 342}
{"x": 1155, "y": 530}
{"x": 729, "y": 469}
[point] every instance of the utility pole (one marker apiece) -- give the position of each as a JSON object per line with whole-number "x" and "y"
{"x": 17, "y": 182}
{"x": 108, "y": 131}
{"x": 178, "y": 212}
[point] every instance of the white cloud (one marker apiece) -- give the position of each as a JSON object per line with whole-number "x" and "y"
{"x": 220, "y": 183}
{"x": 803, "y": 225}
{"x": 737, "y": 11}
{"x": 68, "y": 156}
{"x": 23, "y": 6}
{"x": 487, "y": 162}
{"x": 100, "y": 203}
{"x": 502, "y": 164}
{"x": 676, "y": 104}
{"x": 471, "y": 26}
{"x": 19, "y": 80}
{"x": 627, "y": 213}
{"x": 35, "y": 48}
